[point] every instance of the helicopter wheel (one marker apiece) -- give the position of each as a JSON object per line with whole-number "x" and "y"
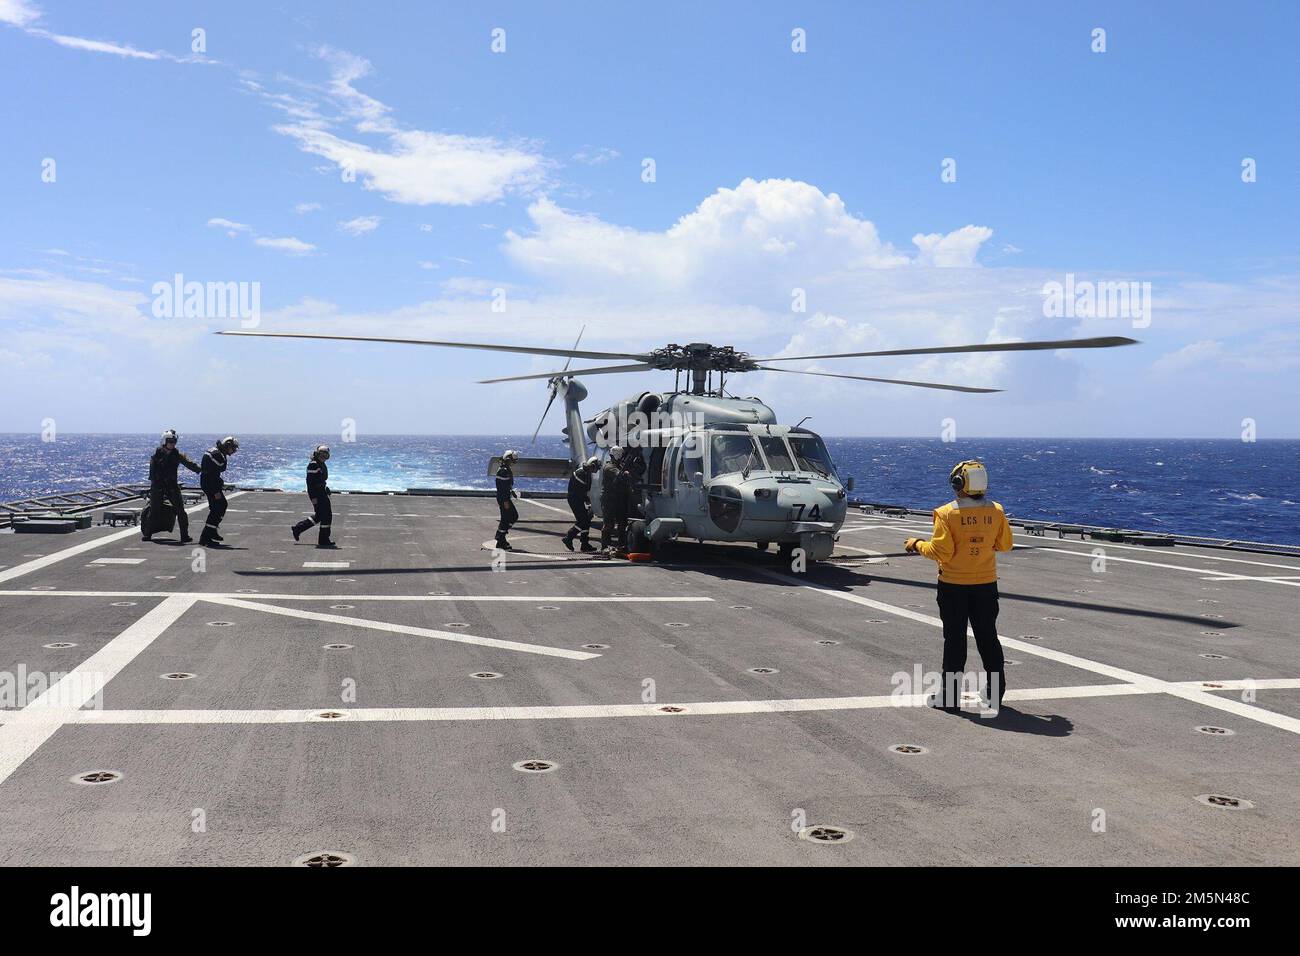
{"x": 637, "y": 539}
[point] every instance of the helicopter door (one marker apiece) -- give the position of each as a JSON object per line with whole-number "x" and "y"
{"x": 690, "y": 466}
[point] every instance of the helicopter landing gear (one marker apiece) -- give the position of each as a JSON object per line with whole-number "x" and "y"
{"x": 637, "y": 540}
{"x": 762, "y": 545}
{"x": 785, "y": 553}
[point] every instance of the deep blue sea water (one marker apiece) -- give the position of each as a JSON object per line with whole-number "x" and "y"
{"x": 1228, "y": 489}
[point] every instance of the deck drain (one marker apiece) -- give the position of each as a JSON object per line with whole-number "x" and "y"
{"x": 1215, "y": 731}
{"x": 1057, "y": 620}
{"x": 1211, "y": 685}
{"x": 326, "y": 858}
{"x": 741, "y": 607}
{"x": 485, "y": 675}
{"x": 58, "y": 645}
{"x": 336, "y": 647}
{"x": 875, "y": 620}
{"x": 440, "y": 593}
{"x": 47, "y": 587}
{"x": 265, "y": 568}
{"x": 672, "y": 709}
{"x": 342, "y": 607}
{"x": 123, "y": 604}
{"x": 595, "y": 647}
{"x": 221, "y": 623}
{"x": 95, "y": 778}
{"x": 1212, "y": 633}
{"x": 536, "y": 766}
{"x": 825, "y": 834}
{"x": 1081, "y": 591}
{"x": 1028, "y": 637}
{"x": 246, "y": 590}
{"x": 164, "y": 577}
{"x": 547, "y": 607}
{"x": 1008, "y": 662}
{"x": 762, "y": 670}
{"x": 1207, "y": 600}
{"x": 1213, "y": 657}
{"x": 329, "y": 715}
{"x": 457, "y": 624}
{"x": 178, "y": 675}
{"x": 345, "y": 580}
{"x": 909, "y": 749}
{"x": 1225, "y": 803}
{"x": 667, "y": 645}
{"x": 826, "y": 643}
{"x": 621, "y": 594}
{"x": 676, "y": 624}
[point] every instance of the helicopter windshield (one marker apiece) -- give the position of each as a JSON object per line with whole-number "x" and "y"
{"x": 778, "y": 456}
{"x": 811, "y": 454}
{"x": 731, "y": 452}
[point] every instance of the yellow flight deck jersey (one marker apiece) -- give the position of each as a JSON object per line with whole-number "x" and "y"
{"x": 967, "y": 532}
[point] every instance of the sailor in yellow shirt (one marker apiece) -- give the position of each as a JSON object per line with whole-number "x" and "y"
{"x": 968, "y": 533}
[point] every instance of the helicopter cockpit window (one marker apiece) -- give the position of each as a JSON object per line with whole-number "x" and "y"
{"x": 811, "y": 454}
{"x": 729, "y": 454}
{"x": 778, "y": 456}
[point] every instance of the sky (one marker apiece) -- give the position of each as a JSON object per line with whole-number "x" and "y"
{"x": 787, "y": 179}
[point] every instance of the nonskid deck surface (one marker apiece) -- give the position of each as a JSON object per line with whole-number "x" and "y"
{"x": 777, "y": 689}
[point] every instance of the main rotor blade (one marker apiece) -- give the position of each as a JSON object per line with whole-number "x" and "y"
{"x": 1104, "y": 342}
{"x": 600, "y": 370}
{"x": 526, "y": 350}
{"x": 887, "y": 381}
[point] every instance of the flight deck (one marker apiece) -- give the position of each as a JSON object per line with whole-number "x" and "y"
{"x": 414, "y": 698}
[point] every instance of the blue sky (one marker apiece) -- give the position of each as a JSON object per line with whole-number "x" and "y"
{"x": 473, "y": 171}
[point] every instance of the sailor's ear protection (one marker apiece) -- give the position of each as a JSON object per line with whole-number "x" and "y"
{"x": 957, "y": 477}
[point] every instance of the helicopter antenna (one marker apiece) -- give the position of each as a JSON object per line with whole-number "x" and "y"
{"x": 802, "y": 420}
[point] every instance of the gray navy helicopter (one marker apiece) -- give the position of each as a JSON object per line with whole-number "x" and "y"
{"x": 718, "y": 467}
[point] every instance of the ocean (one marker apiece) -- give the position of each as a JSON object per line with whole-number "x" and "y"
{"x": 1218, "y": 488}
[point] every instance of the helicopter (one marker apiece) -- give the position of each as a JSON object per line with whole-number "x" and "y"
{"x": 717, "y": 466}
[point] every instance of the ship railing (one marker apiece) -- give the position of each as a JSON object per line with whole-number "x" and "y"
{"x": 1099, "y": 533}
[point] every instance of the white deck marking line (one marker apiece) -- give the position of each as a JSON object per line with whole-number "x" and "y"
{"x": 1195, "y": 556}
{"x": 118, "y": 561}
{"x": 1288, "y": 579}
{"x": 1151, "y": 564}
{"x": 1281, "y": 721}
{"x": 327, "y": 564}
{"x": 533, "y": 501}
{"x": 25, "y": 731}
{"x": 579, "y": 711}
{"x": 19, "y": 570}
{"x": 406, "y": 629}
{"x": 505, "y": 598}
{"x": 875, "y": 556}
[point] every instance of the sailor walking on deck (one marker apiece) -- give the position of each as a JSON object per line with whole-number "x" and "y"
{"x": 318, "y": 491}
{"x": 968, "y": 533}
{"x": 165, "y": 487}
{"x": 506, "y": 496}
{"x": 613, "y": 501}
{"x": 580, "y": 503}
{"x": 213, "y": 464}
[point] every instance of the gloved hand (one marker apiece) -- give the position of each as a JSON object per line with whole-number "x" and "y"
{"x": 514, "y": 493}
{"x": 910, "y": 545}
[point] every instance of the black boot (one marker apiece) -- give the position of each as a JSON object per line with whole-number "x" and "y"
{"x": 567, "y": 540}
{"x": 502, "y": 543}
{"x": 217, "y": 537}
{"x": 300, "y": 527}
{"x": 587, "y": 546}
{"x": 205, "y": 539}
